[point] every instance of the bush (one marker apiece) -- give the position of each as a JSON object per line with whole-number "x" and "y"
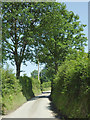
{"x": 46, "y": 86}
{"x": 11, "y": 91}
{"x": 36, "y": 87}
{"x": 71, "y": 88}
{"x": 9, "y": 83}
{"x": 26, "y": 83}
{"x": 15, "y": 92}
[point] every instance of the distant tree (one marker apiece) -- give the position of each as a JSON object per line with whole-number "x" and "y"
{"x": 47, "y": 28}
{"x": 19, "y": 27}
{"x": 44, "y": 75}
{"x": 34, "y": 74}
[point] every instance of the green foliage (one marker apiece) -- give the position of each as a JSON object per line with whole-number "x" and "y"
{"x": 12, "y": 102}
{"x": 60, "y": 34}
{"x": 52, "y": 34}
{"x": 9, "y": 83}
{"x": 26, "y": 83}
{"x": 47, "y": 30}
{"x": 15, "y": 92}
{"x": 44, "y": 75}
{"x": 46, "y": 86}
{"x": 72, "y": 88}
{"x": 11, "y": 91}
{"x": 34, "y": 74}
{"x": 45, "y": 79}
{"x": 17, "y": 35}
{"x": 36, "y": 87}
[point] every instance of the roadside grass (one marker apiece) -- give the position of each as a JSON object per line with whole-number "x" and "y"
{"x": 12, "y": 102}
{"x": 72, "y": 108}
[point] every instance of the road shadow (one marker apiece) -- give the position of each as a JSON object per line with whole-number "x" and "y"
{"x": 57, "y": 114}
{"x": 40, "y": 96}
{"x": 46, "y": 92}
{"x": 50, "y": 106}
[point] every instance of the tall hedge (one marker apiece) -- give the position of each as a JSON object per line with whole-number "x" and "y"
{"x": 26, "y": 83}
{"x": 11, "y": 91}
{"x": 36, "y": 86}
{"x": 9, "y": 83}
{"x": 16, "y": 91}
{"x": 72, "y": 87}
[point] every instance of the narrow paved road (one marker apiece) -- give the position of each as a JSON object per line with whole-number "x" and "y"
{"x": 37, "y": 107}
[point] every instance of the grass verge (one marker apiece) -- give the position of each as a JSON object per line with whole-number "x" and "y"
{"x": 12, "y": 102}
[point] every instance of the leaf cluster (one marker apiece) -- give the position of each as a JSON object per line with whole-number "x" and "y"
{"x": 72, "y": 83}
{"x": 26, "y": 83}
{"x": 10, "y": 84}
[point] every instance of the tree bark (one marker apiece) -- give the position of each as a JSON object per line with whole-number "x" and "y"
{"x": 56, "y": 67}
{"x": 18, "y": 66}
{"x": 38, "y": 69}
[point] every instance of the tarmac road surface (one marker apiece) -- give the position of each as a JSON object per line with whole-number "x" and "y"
{"x": 37, "y": 107}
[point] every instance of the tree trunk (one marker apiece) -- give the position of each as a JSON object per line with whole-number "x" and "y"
{"x": 18, "y": 66}
{"x": 56, "y": 68}
{"x": 38, "y": 69}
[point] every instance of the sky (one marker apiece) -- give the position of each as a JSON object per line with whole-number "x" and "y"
{"x": 80, "y": 8}
{"x": 72, "y": 0}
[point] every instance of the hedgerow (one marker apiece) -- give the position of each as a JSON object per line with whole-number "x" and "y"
{"x": 36, "y": 86}
{"x": 72, "y": 88}
{"x": 16, "y": 91}
{"x": 11, "y": 91}
{"x": 26, "y": 83}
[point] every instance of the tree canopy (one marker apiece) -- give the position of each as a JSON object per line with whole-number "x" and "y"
{"x": 34, "y": 74}
{"x": 60, "y": 34}
{"x": 17, "y": 33}
{"x": 47, "y": 32}
{"x": 44, "y": 75}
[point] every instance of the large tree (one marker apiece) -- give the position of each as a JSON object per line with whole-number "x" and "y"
{"x": 53, "y": 31}
{"x": 34, "y": 74}
{"x": 44, "y": 75}
{"x": 20, "y": 21}
{"x": 17, "y": 37}
{"x": 60, "y": 34}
